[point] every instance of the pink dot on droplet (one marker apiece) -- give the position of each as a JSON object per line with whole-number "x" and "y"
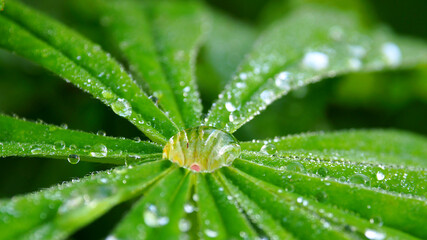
{"x": 195, "y": 167}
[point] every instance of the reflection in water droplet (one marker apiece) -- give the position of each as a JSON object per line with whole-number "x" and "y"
{"x": 322, "y": 171}
{"x": 315, "y": 60}
{"x": 295, "y": 166}
{"x": 211, "y": 233}
{"x": 391, "y": 53}
{"x": 122, "y": 107}
{"x": 73, "y": 158}
{"x": 99, "y": 150}
{"x": 374, "y": 235}
{"x": 268, "y": 149}
{"x": 184, "y": 225}
{"x": 59, "y": 145}
{"x": 202, "y": 149}
{"x": 380, "y": 176}
{"x": 360, "y": 179}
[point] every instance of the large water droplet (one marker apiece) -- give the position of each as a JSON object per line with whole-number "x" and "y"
{"x": 268, "y": 149}
{"x": 202, "y": 149}
{"x": 360, "y": 179}
{"x": 122, "y": 107}
{"x": 99, "y": 150}
{"x": 73, "y": 158}
{"x": 295, "y": 166}
{"x": 315, "y": 60}
{"x": 380, "y": 176}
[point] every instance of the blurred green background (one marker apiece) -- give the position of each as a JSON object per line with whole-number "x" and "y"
{"x": 396, "y": 99}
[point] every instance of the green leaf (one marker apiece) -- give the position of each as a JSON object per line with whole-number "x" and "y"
{"x": 235, "y": 222}
{"x": 23, "y": 138}
{"x": 76, "y": 59}
{"x": 57, "y": 212}
{"x": 310, "y": 44}
{"x": 163, "y": 59}
{"x": 369, "y": 203}
{"x": 374, "y": 146}
{"x": 333, "y": 221}
{"x": 258, "y": 216}
{"x": 209, "y": 218}
{"x": 154, "y": 216}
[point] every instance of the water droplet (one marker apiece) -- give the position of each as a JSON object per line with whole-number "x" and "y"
{"x": 188, "y": 208}
{"x": 211, "y": 233}
{"x": 230, "y": 107}
{"x": 391, "y": 53}
{"x": 122, "y": 107}
{"x": 73, "y": 158}
{"x": 107, "y": 94}
{"x": 36, "y": 149}
{"x": 99, "y": 150}
{"x": 360, "y": 179}
{"x": 282, "y": 81}
{"x": 295, "y": 166}
{"x": 267, "y": 96}
{"x": 101, "y": 133}
{"x": 202, "y": 149}
{"x": 315, "y": 60}
{"x": 72, "y": 147}
{"x": 374, "y": 235}
{"x": 354, "y": 63}
{"x": 59, "y": 145}
{"x": 268, "y": 149}
{"x": 376, "y": 220}
{"x": 321, "y": 196}
{"x": 184, "y": 225}
{"x": 322, "y": 171}
{"x": 152, "y": 218}
{"x": 380, "y": 176}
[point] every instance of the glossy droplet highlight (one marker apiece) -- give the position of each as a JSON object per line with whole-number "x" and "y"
{"x": 73, "y": 158}
{"x": 391, "y": 54}
{"x": 122, "y": 107}
{"x": 202, "y": 149}
{"x": 360, "y": 179}
{"x": 315, "y": 60}
{"x": 99, "y": 150}
{"x": 268, "y": 149}
{"x": 374, "y": 235}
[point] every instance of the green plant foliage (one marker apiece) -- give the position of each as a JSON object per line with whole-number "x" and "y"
{"x": 352, "y": 184}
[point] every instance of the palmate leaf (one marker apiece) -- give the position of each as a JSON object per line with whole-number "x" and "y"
{"x": 342, "y": 185}
{"x": 83, "y": 63}
{"x": 310, "y": 44}
{"x": 23, "y": 138}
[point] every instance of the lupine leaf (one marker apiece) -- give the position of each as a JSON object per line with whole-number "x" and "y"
{"x": 154, "y": 216}
{"x": 375, "y": 146}
{"x": 76, "y": 59}
{"x": 23, "y": 138}
{"x": 59, "y": 211}
{"x": 366, "y": 201}
{"x": 155, "y": 57}
{"x": 310, "y": 44}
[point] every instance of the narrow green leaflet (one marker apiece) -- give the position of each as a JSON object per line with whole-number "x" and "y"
{"x": 1, "y": 5}
{"x": 264, "y": 221}
{"x": 23, "y": 138}
{"x": 76, "y": 59}
{"x": 383, "y": 176}
{"x": 145, "y": 55}
{"x": 235, "y": 222}
{"x": 178, "y": 30}
{"x": 227, "y": 43}
{"x": 375, "y": 146}
{"x": 210, "y": 221}
{"x": 330, "y": 218}
{"x": 57, "y": 212}
{"x": 310, "y": 44}
{"x": 367, "y": 202}
{"x": 159, "y": 214}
